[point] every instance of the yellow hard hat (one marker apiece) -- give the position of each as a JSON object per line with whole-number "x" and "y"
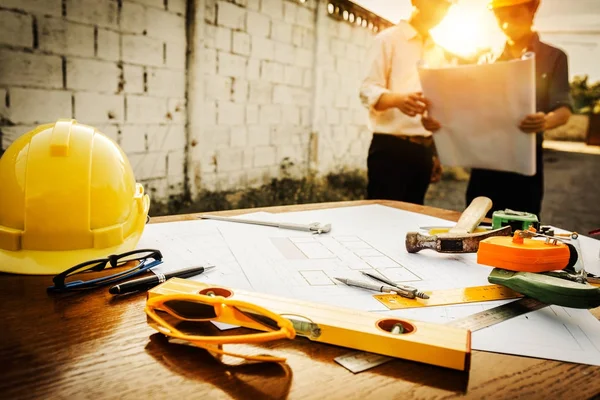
{"x": 506, "y": 3}
{"x": 67, "y": 195}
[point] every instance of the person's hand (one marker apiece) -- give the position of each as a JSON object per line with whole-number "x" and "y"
{"x": 436, "y": 172}
{"x": 533, "y": 123}
{"x": 430, "y": 123}
{"x": 412, "y": 104}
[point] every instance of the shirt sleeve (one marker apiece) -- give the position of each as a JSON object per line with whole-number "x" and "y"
{"x": 375, "y": 73}
{"x": 560, "y": 89}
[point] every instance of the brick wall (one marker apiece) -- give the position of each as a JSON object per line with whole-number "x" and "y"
{"x": 117, "y": 65}
{"x": 264, "y": 82}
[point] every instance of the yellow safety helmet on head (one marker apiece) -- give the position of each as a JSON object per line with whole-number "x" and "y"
{"x": 67, "y": 195}
{"x": 507, "y": 3}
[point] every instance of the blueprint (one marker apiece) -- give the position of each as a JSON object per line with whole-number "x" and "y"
{"x": 479, "y": 108}
{"x": 302, "y": 265}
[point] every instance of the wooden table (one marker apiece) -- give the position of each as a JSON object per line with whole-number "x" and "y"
{"x": 91, "y": 345}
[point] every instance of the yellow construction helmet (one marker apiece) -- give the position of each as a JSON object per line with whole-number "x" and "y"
{"x": 67, "y": 195}
{"x": 507, "y": 3}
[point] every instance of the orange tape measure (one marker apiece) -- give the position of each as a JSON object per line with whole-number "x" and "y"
{"x": 474, "y": 294}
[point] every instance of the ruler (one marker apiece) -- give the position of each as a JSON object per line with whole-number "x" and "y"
{"x": 493, "y": 316}
{"x": 474, "y": 294}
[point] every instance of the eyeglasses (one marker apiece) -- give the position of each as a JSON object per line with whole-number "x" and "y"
{"x": 201, "y": 308}
{"x": 144, "y": 259}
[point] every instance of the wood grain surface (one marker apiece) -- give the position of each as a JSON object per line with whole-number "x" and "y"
{"x": 92, "y": 345}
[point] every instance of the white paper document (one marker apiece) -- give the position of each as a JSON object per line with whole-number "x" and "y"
{"x": 479, "y": 108}
{"x": 302, "y": 265}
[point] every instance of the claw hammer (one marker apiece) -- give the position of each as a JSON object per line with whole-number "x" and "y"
{"x": 460, "y": 238}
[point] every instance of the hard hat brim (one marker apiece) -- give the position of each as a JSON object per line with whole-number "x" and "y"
{"x": 493, "y": 4}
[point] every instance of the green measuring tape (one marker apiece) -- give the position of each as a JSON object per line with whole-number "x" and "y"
{"x": 517, "y": 220}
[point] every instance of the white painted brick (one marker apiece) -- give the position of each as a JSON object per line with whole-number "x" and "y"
{"x": 338, "y": 47}
{"x": 333, "y": 116}
{"x": 166, "y": 82}
{"x": 258, "y": 135}
{"x": 16, "y": 29}
{"x": 306, "y": 18}
{"x": 341, "y": 100}
{"x": 149, "y": 165}
{"x": 272, "y": 72}
{"x": 142, "y": 50}
{"x": 252, "y": 114}
{"x": 97, "y": 12}
{"x": 41, "y": 7}
{"x": 144, "y": 109}
{"x": 253, "y": 5}
{"x": 176, "y": 53}
{"x": 298, "y": 33}
{"x": 338, "y": 133}
{"x": 240, "y": 91}
{"x": 282, "y": 95}
{"x": 209, "y": 61}
{"x": 231, "y": 65}
{"x": 165, "y": 137}
{"x": 262, "y": 48}
{"x": 209, "y": 113}
{"x": 308, "y": 40}
{"x": 308, "y": 80}
{"x": 291, "y": 115}
{"x": 293, "y": 75}
{"x": 281, "y": 31}
{"x": 133, "y": 18}
{"x": 306, "y": 117}
{"x": 100, "y": 76}
{"x": 258, "y": 24}
{"x": 290, "y": 12}
{"x": 109, "y": 130}
{"x": 253, "y": 69}
{"x": 304, "y": 58}
{"x": 270, "y": 114}
{"x": 282, "y": 134}
{"x": 210, "y": 11}
{"x": 217, "y": 87}
{"x": 165, "y": 25}
{"x": 18, "y": 68}
{"x": 352, "y": 52}
{"x": 231, "y": 113}
{"x": 93, "y": 108}
{"x": 39, "y": 106}
{"x": 176, "y": 161}
{"x": 231, "y": 16}
{"x": 264, "y": 155}
{"x": 177, "y": 109}
{"x": 133, "y": 77}
{"x": 63, "y": 37}
{"x": 243, "y": 3}
{"x": 109, "y": 45}
{"x": 241, "y": 43}
{"x": 294, "y": 153}
{"x": 284, "y": 53}
{"x": 239, "y": 136}
{"x": 344, "y": 30}
{"x": 272, "y": 8}
{"x": 257, "y": 176}
{"x": 152, "y": 3}
{"x": 178, "y": 6}
{"x": 260, "y": 92}
{"x": 217, "y": 37}
{"x": 133, "y": 138}
{"x": 248, "y": 158}
{"x": 9, "y": 134}
{"x": 216, "y": 137}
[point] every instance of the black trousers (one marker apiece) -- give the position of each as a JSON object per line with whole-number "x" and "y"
{"x": 398, "y": 169}
{"x": 510, "y": 190}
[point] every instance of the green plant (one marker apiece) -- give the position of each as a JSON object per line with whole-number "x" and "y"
{"x": 586, "y": 96}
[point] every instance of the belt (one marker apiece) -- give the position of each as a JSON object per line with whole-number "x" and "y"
{"x": 422, "y": 140}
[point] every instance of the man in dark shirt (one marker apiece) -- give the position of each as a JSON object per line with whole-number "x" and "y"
{"x": 553, "y": 103}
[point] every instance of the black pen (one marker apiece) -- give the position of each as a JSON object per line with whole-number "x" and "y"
{"x": 151, "y": 281}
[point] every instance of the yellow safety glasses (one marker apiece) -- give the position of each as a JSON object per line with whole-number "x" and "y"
{"x": 201, "y": 308}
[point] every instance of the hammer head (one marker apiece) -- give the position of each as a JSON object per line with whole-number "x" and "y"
{"x": 450, "y": 243}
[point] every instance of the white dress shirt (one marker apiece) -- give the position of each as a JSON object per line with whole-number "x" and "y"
{"x": 391, "y": 66}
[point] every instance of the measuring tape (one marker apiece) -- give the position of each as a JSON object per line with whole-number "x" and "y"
{"x": 472, "y": 294}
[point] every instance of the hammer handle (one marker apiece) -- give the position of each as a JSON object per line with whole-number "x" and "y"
{"x": 472, "y": 216}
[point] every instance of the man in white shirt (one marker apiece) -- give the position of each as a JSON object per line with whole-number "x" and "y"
{"x": 401, "y": 156}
